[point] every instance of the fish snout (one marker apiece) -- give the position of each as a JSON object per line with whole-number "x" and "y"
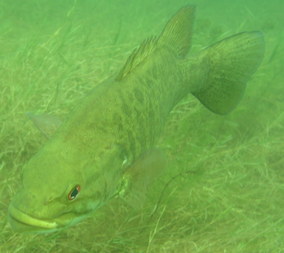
{"x": 22, "y": 222}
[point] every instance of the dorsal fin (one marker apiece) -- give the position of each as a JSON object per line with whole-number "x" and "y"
{"x": 176, "y": 36}
{"x": 177, "y": 33}
{"x": 137, "y": 56}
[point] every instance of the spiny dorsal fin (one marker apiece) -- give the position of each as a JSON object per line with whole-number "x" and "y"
{"x": 176, "y": 36}
{"x": 137, "y": 56}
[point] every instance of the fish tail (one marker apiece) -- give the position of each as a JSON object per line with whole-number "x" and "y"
{"x": 177, "y": 33}
{"x": 218, "y": 74}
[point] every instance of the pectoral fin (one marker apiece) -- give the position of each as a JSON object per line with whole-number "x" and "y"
{"x": 46, "y": 123}
{"x": 138, "y": 177}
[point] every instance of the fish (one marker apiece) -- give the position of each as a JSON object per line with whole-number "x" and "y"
{"x": 106, "y": 147}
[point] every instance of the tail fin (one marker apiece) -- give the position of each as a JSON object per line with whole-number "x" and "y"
{"x": 178, "y": 31}
{"x": 229, "y": 65}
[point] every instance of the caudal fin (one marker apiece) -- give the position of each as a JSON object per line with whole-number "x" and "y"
{"x": 226, "y": 68}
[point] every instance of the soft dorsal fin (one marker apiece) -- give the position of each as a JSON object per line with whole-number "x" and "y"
{"x": 177, "y": 33}
{"x": 176, "y": 36}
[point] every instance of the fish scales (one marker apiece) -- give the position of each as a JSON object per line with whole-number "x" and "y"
{"x": 151, "y": 111}
{"x": 133, "y": 123}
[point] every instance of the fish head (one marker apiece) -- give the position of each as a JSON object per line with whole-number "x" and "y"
{"x": 57, "y": 192}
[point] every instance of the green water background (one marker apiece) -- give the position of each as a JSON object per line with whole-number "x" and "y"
{"x": 53, "y": 52}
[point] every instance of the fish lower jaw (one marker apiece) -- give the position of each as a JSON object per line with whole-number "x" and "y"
{"x": 22, "y": 222}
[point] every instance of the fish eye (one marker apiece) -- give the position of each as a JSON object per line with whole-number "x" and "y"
{"x": 74, "y": 193}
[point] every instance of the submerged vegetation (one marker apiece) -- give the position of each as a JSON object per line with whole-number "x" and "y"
{"x": 223, "y": 188}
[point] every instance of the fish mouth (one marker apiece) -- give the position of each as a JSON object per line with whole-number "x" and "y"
{"x": 22, "y": 222}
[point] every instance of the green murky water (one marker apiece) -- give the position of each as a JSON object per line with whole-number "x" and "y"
{"x": 228, "y": 195}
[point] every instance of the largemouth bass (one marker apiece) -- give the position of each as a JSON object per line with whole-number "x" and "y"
{"x": 106, "y": 146}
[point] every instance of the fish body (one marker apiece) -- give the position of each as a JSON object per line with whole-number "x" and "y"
{"x": 106, "y": 146}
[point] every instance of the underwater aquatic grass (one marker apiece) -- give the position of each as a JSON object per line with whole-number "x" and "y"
{"x": 231, "y": 199}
